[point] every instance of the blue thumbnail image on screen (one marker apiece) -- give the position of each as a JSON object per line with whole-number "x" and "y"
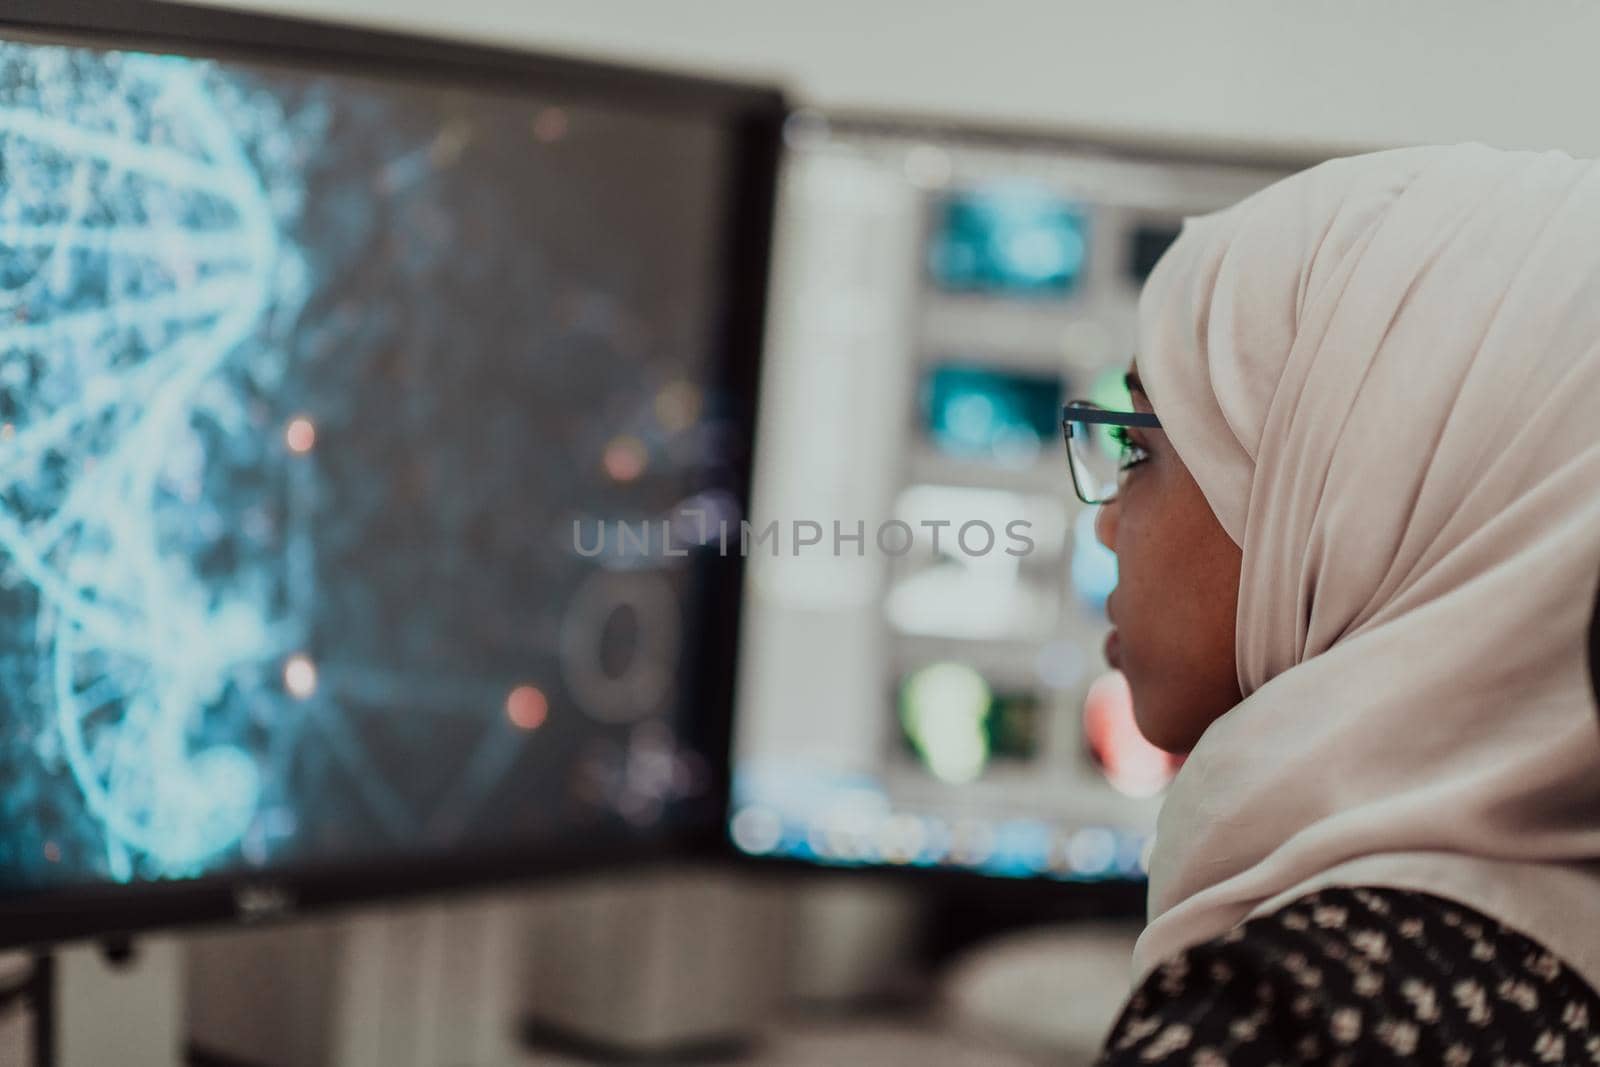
{"x": 1009, "y": 239}
{"x": 991, "y": 413}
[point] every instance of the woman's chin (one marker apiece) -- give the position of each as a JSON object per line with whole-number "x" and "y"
{"x": 1160, "y": 726}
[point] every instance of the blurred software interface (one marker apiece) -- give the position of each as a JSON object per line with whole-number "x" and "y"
{"x": 305, "y": 380}
{"x": 937, "y": 695}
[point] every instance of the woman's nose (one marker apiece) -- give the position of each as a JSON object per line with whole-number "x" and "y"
{"x": 1105, "y": 525}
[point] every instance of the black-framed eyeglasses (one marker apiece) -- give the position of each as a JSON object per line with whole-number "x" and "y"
{"x": 1098, "y": 449}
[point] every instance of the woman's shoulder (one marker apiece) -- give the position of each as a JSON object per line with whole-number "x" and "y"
{"x": 1362, "y": 976}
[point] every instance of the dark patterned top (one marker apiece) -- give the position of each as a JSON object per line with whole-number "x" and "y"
{"x": 1358, "y": 977}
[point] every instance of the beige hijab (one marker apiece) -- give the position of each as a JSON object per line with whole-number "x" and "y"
{"x": 1384, "y": 374}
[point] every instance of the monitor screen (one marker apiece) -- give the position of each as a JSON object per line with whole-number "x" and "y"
{"x": 923, "y": 679}
{"x": 319, "y": 393}
{"x": 991, "y": 414}
{"x": 1009, "y": 238}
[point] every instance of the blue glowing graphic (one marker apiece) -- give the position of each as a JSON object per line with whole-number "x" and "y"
{"x": 287, "y": 481}
{"x": 1015, "y": 239}
{"x": 992, "y": 414}
{"x": 140, "y": 253}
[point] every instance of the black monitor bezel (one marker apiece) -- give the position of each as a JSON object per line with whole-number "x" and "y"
{"x": 755, "y": 116}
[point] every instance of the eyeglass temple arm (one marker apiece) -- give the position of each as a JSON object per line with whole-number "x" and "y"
{"x": 1102, "y": 417}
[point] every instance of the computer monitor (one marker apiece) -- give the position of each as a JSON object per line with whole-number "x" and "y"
{"x": 327, "y": 359}
{"x": 923, "y": 685}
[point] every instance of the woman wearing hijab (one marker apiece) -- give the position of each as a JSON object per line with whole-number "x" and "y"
{"x": 1357, "y": 522}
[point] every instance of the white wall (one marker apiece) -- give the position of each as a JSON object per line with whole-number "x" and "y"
{"x": 1308, "y": 72}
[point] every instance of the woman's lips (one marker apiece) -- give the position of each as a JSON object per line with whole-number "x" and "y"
{"x": 1113, "y": 650}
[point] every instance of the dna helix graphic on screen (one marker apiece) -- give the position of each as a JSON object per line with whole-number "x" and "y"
{"x": 139, "y": 254}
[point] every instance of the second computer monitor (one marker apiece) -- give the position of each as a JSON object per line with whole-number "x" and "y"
{"x": 923, "y": 683}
